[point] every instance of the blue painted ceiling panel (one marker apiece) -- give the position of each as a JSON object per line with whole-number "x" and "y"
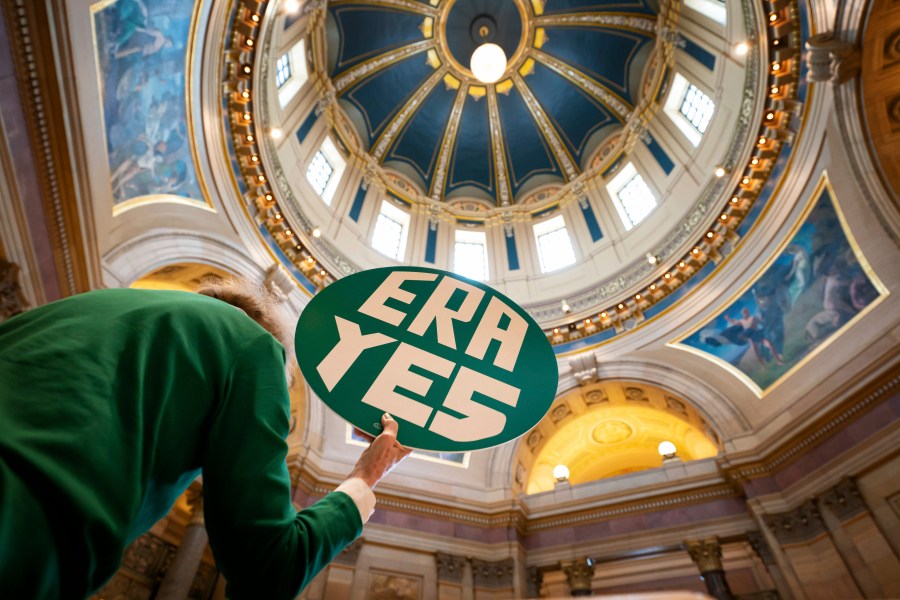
{"x": 379, "y": 97}
{"x": 365, "y": 31}
{"x": 527, "y": 151}
{"x": 419, "y": 143}
{"x": 472, "y": 161}
{"x": 575, "y": 114}
{"x": 610, "y": 56}
{"x": 570, "y": 6}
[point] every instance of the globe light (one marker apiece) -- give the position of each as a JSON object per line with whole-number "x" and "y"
{"x": 742, "y": 48}
{"x": 666, "y": 449}
{"x": 488, "y": 63}
{"x": 561, "y": 472}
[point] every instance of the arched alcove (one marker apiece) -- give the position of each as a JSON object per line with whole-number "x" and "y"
{"x": 609, "y": 429}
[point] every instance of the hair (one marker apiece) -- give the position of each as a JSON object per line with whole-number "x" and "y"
{"x": 261, "y": 305}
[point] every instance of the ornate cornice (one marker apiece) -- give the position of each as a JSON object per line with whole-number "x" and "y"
{"x": 814, "y": 434}
{"x": 30, "y": 25}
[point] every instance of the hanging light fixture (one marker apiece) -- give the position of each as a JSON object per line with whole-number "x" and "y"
{"x": 488, "y": 63}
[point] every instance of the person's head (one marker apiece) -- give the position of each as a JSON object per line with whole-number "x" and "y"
{"x": 259, "y": 304}
{"x": 745, "y": 312}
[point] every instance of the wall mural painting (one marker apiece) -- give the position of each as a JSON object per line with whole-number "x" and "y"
{"x": 803, "y": 300}
{"x": 141, "y": 49}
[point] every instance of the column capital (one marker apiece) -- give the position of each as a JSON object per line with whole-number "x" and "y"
{"x": 761, "y": 547}
{"x": 579, "y": 575}
{"x": 195, "y": 505}
{"x": 706, "y": 554}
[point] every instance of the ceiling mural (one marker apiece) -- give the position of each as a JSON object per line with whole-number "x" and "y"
{"x": 812, "y": 291}
{"x": 142, "y": 50}
{"x": 401, "y": 74}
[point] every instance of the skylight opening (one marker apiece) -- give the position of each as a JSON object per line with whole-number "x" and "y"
{"x": 470, "y": 255}
{"x": 325, "y": 170}
{"x": 633, "y": 198}
{"x": 689, "y": 108}
{"x": 391, "y": 231}
{"x": 291, "y": 73}
{"x": 553, "y": 244}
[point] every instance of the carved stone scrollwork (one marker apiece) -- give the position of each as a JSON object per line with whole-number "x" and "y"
{"x": 831, "y": 59}
{"x": 799, "y": 525}
{"x": 11, "y": 299}
{"x": 584, "y": 369}
{"x": 579, "y": 575}
{"x": 322, "y": 104}
{"x": 493, "y": 574}
{"x": 450, "y": 567}
{"x": 350, "y": 554}
{"x": 844, "y": 500}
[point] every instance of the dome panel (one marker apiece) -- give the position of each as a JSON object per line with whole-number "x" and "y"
{"x": 527, "y": 152}
{"x": 574, "y": 114}
{"x": 419, "y": 142}
{"x": 381, "y": 96}
{"x": 472, "y": 161}
{"x": 360, "y": 32}
{"x": 610, "y": 59}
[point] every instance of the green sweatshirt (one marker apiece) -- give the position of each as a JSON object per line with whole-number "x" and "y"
{"x": 113, "y": 401}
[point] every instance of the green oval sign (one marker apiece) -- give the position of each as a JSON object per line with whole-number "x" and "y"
{"x": 458, "y": 365}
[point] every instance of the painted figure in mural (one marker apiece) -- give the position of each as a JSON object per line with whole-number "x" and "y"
{"x": 748, "y": 330}
{"x": 142, "y": 49}
{"x": 837, "y": 306}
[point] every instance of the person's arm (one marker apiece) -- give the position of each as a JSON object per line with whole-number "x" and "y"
{"x": 264, "y": 548}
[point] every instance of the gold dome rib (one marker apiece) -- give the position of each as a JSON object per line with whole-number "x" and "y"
{"x": 387, "y": 137}
{"x": 407, "y": 5}
{"x": 560, "y": 152}
{"x": 503, "y": 189}
{"x": 642, "y": 24}
{"x": 439, "y": 180}
{"x": 619, "y": 107}
{"x": 366, "y": 69}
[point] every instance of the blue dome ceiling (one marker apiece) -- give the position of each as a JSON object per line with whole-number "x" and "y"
{"x": 400, "y": 69}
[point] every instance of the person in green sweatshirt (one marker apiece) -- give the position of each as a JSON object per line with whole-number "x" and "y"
{"x": 113, "y": 401}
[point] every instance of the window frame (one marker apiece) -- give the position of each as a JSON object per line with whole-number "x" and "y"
{"x": 299, "y": 73}
{"x": 338, "y": 164}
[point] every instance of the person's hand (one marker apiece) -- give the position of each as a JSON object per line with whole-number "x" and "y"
{"x": 382, "y": 455}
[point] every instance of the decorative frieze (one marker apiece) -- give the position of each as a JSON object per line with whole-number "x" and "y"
{"x": 844, "y": 500}
{"x": 493, "y": 574}
{"x": 450, "y": 567}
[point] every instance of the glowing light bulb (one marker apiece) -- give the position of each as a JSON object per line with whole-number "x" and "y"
{"x": 666, "y": 449}
{"x": 742, "y": 48}
{"x": 561, "y": 472}
{"x": 488, "y": 63}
